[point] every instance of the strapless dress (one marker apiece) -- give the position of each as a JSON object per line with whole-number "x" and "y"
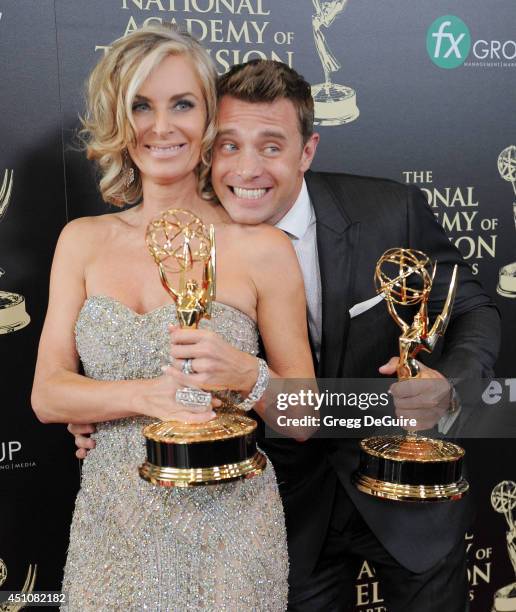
{"x": 135, "y": 546}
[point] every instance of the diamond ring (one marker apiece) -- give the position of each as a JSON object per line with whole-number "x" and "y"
{"x": 187, "y": 367}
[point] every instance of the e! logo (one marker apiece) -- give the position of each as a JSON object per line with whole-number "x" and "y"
{"x": 494, "y": 392}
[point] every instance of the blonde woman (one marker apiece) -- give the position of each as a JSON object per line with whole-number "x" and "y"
{"x": 149, "y": 125}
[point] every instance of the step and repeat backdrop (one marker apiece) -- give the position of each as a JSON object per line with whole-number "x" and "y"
{"x": 420, "y": 92}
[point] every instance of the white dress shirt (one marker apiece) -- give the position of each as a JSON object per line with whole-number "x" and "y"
{"x": 299, "y": 225}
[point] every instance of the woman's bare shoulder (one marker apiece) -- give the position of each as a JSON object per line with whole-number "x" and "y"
{"x": 260, "y": 241}
{"x": 267, "y": 254}
{"x": 84, "y": 231}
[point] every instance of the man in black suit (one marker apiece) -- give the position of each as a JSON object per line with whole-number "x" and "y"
{"x": 340, "y": 225}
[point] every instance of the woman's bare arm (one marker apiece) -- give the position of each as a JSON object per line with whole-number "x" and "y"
{"x": 283, "y": 327}
{"x": 281, "y": 307}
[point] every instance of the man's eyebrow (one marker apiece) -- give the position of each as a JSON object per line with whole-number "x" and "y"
{"x": 227, "y": 132}
{"x": 265, "y": 134}
{"x": 273, "y": 134}
{"x": 140, "y": 98}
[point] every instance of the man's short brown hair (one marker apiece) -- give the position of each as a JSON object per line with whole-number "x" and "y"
{"x": 262, "y": 80}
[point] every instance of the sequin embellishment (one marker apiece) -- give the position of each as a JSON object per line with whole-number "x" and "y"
{"x": 134, "y": 546}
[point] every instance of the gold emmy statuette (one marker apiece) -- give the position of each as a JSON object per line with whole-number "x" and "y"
{"x": 503, "y": 500}
{"x": 333, "y": 104}
{"x": 224, "y": 448}
{"x": 507, "y": 274}
{"x": 410, "y": 467}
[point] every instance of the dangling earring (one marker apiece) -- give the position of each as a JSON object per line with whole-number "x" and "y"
{"x": 129, "y": 176}
{"x": 128, "y": 170}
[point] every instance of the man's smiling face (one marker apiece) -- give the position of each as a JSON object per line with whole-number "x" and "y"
{"x": 259, "y": 159}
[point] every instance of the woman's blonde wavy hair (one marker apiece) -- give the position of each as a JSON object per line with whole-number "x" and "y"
{"x": 108, "y": 124}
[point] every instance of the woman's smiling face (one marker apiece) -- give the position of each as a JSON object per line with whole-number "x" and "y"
{"x": 169, "y": 114}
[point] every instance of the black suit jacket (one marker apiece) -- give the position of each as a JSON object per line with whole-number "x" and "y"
{"x": 359, "y": 218}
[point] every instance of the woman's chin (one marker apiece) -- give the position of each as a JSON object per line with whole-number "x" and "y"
{"x": 168, "y": 176}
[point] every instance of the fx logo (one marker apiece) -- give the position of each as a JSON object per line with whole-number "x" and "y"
{"x": 448, "y": 42}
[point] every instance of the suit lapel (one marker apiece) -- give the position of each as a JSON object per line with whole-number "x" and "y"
{"x": 337, "y": 240}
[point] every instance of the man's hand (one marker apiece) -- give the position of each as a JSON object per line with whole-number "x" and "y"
{"x": 425, "y": 399}
{"x": 82, "y": 440}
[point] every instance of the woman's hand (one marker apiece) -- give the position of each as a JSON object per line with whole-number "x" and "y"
{"x": 216, "y": 364}
{"x": 158, "y": 399}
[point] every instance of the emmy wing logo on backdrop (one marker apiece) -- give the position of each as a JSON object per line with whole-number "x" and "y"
{"x": 507, "y": 169}
{"x": 13, "y": 315}
{"x": 334, "y": 104}
{"x": 5, "y": 192}
{"x": 28, "y": 586}
{"x": 503, "y": 500}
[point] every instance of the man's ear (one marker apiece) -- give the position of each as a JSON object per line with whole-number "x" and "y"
{"x": 309, "y": 149}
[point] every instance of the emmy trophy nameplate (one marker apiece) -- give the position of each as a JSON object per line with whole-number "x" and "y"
{"x": 410, "y": 467}
{"x": 503, "y": 500}
{"x": 507, "y": 274}
{"x": 333, "y": 104}
{"x": 224, "y": 448}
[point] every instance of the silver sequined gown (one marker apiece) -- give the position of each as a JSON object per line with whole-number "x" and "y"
{"x": 135, "y": 546}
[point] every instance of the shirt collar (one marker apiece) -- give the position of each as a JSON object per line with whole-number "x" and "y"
{"x": 298, "y": 218}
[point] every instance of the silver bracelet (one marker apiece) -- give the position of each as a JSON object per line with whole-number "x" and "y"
{"x": 448, "y": 419}
{"x": 259, "y": 388}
